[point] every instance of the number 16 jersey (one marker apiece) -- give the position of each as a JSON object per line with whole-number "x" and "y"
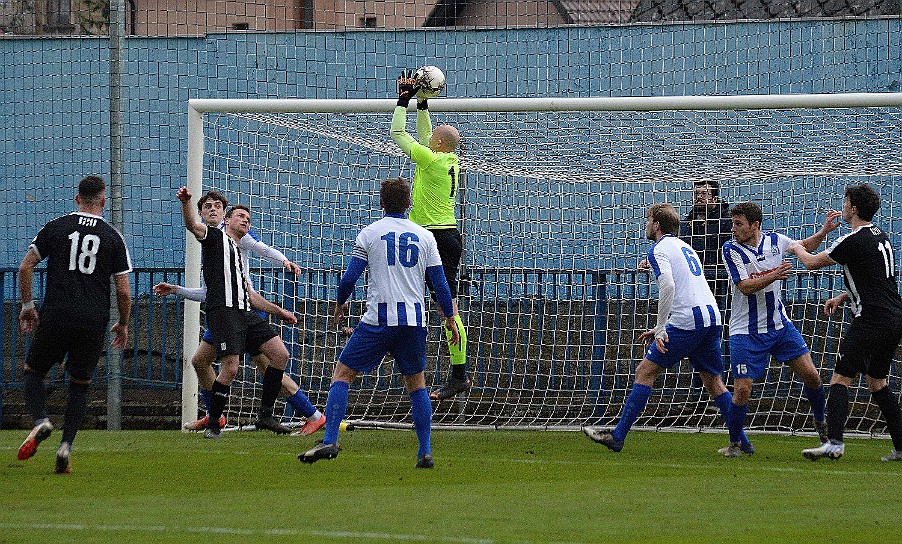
{"x": 397, "y": 252}
{"x": 694, "y": 306}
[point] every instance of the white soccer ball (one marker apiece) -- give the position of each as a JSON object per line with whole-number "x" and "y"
{"x": 430, "y": 80}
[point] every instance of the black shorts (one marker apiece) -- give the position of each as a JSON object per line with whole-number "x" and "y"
{"x": 52, "y": 341}
{"x": 235, "y": 332}
{"x": 450, "y": 248}
{"x": 868, "y": 347}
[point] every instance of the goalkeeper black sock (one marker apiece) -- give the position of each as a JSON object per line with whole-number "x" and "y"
{"x": 76, "y": 406}
{"x": 837, "y": 411}
{"x": 889, "y": 407}
{"x": 219, "y": 397}
{"x": 35, "y": 395}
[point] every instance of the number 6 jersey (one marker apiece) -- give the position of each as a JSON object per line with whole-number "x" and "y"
{"x": 694, "y": 306}
{"x": 82, "y": 252}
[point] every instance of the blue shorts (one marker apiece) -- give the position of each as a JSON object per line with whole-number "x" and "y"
{"x": 208, "y": 337}
{"x": 750, "y": 353}
{"x": 701, "y": 346}
{"x": 369, "y": 344}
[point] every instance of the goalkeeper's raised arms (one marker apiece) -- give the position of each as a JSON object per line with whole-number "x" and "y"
{"x": 407, "y": 88}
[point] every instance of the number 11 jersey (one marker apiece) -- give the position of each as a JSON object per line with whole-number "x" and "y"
{"x": 869, "y": 270}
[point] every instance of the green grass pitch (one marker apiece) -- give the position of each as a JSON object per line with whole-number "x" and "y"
{"x": 517, "y": 486}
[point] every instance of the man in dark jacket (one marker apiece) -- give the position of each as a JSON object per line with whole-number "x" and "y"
{"x": 708, "y": 226}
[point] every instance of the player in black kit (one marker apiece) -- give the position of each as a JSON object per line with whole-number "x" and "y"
{"x": 83, "y": 251}
{"x": 234, "y": 328}
{"x": 869, "y": 271}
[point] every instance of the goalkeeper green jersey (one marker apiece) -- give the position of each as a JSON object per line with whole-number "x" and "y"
{"x": 435, "y": 177}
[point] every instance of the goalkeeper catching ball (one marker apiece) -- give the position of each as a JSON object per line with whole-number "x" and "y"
{"x": 435, "y": 184}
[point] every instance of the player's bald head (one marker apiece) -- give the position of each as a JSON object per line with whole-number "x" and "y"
{"x": 444, "y": 138}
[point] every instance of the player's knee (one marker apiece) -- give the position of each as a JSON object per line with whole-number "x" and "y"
{"x": 875, "y": 384}
{"x": 713, "y": 384}
{"x": 741, "y": 394}
{"x": 278, "y": 358}
{"x": 414, "y": 382}
{"x": 343, "y": 373}
{"x": 261, "y": 362}
{"x": 200, "y": 361}
{"x": 226, "y": 374}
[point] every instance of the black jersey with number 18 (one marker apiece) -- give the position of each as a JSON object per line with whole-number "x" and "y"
{"x": 869, "y": 269}
{"x": 82, "y": 252}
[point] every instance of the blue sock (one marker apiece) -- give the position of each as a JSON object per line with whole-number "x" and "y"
{"x": 736, "y": 423}
{"x": 301, "y": 403}
{"x": 421, "y": 410}
{"x": 205, "y": 398}
{"x": 632, "y": 409}
{"x": 816, "y": 398}
{"x": 724, "y": 402}
{"x": 336, "y": 408}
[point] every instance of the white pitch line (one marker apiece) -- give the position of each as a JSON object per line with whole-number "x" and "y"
{"x": 348, "y": 535}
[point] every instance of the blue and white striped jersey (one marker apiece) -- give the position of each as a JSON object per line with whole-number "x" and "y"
{"x": 694, "y": 306}
{"x": 762, "y": 311}
{"x": 397, "y": 252}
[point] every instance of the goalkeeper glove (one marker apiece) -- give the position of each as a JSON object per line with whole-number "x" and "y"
{"x": 407, "y": 88}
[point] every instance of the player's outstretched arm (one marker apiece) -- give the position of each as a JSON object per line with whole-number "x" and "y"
{"x": 811, "y": 262}
{"x": 197, "y": 294}
{"x": 28, "y": 316}
{"x": 260, "y": 303}
{"x": 424, "y": 122}
{"x": 199, "y": 230}
{"x": 831, "y": 222}
{"x": 249, "y": 242}
{"x": 406, "y": 90}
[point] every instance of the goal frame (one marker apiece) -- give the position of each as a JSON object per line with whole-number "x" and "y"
{"x": 197, "y": 107}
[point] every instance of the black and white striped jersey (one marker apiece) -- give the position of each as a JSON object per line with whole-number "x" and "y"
{"x": 223, "y": 271}
{"x": 869, "y": 269}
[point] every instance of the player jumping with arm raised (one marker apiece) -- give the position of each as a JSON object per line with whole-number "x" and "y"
{"x": 435, "y": 188}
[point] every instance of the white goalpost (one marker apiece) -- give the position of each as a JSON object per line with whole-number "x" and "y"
{"x": 552, "y": 206}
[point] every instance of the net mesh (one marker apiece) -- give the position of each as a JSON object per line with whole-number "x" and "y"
{"x": 552, "y": 209}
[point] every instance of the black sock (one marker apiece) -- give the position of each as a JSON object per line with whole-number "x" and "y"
{"x": 272, "y": 383}
{"x": 837, "y": 411}
{"x": 35, "y": 395}
{"x": 889, "y": 406}
{"x": 459, "y": 372}
{"x": 219, "y": 395}
{"x": 76, "y": 405}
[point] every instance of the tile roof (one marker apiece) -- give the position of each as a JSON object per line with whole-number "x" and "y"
{"x": 694, "y": 10}
{"x": 596, "y": 13}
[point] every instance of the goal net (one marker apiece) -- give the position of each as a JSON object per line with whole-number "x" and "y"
{"x": 552, "y": 206}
